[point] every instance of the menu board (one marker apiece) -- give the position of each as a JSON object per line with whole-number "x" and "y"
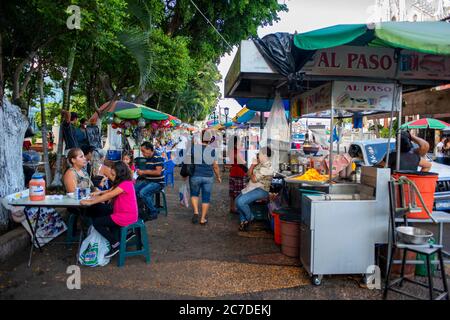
{"x": 364, "y": 96}
{"x": 415, "y": 65}
{"x": 315, "y": 100}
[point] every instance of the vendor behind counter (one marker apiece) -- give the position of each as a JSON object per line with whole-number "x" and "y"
{"x": 410, "y": 158}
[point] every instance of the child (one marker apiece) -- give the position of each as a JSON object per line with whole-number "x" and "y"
{"x": 127, "y": 158}
{"x": 125, "y": 211}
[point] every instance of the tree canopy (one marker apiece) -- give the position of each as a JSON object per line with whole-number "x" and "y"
{"x": 162, "y": 53}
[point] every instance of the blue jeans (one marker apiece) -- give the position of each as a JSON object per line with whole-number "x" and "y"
{"x": 145, "y": 190}
{"x": 243, "y": 203}
{"x": 203, "y": 184}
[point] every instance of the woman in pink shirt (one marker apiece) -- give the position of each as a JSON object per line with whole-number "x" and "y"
{"x": 125, "y": 211}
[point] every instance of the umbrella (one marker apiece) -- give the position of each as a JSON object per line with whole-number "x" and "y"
{"x": 426, "y": 123}
{"x": 141, "y": 111}
{"x": 129, "y": 110}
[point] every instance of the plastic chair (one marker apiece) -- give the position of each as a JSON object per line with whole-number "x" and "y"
{"x": 140, "y": 241}
{"x": 164, "y": 205}
{"x": 169, "y": 167}
{"x": 402, "y": 202}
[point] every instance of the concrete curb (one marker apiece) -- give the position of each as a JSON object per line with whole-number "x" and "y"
{"x": 18, "y": 240}
{"x": 12, "y": 242}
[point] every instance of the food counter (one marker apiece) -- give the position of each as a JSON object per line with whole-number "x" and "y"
{"x": 341, "y": 226}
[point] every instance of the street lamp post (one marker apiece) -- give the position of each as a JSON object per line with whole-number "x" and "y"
{"x": 226, "y": 110}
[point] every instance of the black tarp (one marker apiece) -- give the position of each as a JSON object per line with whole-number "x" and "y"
{"x": 279, "y": 50}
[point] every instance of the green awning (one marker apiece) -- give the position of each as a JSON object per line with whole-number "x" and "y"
{"x": 329, "y": 37}
{"x": 426, "y": 37}
{"x": 141, "y": 111}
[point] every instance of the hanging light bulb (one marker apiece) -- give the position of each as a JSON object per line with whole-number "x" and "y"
{"x": 141, "y": 123}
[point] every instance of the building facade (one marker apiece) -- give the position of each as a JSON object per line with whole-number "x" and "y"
{"x": 411, "y": 10}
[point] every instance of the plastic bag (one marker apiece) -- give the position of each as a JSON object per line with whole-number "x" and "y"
{"x": 276, "y": 132}
{"x": 184, "y": 195}
{"x": 93, "y": 249}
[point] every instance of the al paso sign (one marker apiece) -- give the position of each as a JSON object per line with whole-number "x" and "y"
{"x": 372, "y": 62}
{"x": 363, "y": 96}
{"x": 352, "y": 61}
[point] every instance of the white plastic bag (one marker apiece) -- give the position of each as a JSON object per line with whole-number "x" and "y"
{"x": 276, "y": 132}
{"x": 184, "y": 195}
{"x": 93, "y": 249}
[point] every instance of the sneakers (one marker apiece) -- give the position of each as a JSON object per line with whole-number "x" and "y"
{"x": 112, "y": 252}
{"x": 130, "y": 236}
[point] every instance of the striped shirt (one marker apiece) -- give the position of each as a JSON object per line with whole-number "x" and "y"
{"x": 151, "y": 164}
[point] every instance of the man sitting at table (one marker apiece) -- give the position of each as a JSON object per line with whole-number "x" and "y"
{"x": 150, "y": 178}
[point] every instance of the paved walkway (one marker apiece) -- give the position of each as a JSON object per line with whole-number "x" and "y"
{"x": 188, "y": 262}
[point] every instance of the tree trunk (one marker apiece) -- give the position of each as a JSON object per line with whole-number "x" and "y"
{"x": 57, "y": 181}
{"x": 377, "y": 129}
{"x": 106, "y": 86}
{"x": 143, "y": 97}
{"x": 13, "y": 124}
{"x": 48, "y": 172}
{"x": 1, "y": 70}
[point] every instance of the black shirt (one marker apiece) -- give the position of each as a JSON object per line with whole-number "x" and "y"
{"x": 69, "y": 135}
{"x": 408, "y": 160}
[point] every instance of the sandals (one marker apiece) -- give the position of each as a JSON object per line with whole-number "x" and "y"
{"x": 204, "y": 223}
{"x": 243, "y": 226}
{"x": 194, "y": 219}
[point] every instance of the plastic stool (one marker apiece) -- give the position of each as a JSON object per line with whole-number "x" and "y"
{"x": 169, "y": 180}
{"x": 168, "y": 173}
{"x": 140, "y": 241}
{"x": 71, "y": 226}
{"x": 164, "y": 206}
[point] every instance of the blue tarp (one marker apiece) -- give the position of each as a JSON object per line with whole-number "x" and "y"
{"x": 258, "y": 104}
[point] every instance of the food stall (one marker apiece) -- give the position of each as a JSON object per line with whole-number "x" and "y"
{"x": 338, "y": 72}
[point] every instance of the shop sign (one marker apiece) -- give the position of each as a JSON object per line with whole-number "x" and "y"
{"x": 315, "y": 100}
{"x": 414, "y": 65}
{"x": 363, "y": 96}
{"x": 352, "y": 61}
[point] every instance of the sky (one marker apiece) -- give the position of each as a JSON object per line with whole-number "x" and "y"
{"x": 303, "y": 16}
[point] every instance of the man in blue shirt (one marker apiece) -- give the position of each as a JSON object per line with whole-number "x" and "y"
{"x": 150, "y": 178}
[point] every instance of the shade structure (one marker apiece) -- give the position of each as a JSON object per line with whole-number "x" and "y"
{"x": 426, "y": 123}
{"x": 427, "y": 37}
{"x": 128, "y": 110}
{"x": 288, "y": 53}
{"x": 258, "y": 104}
{"x": 244, "y": 115}
{"x": 141, "y": 112}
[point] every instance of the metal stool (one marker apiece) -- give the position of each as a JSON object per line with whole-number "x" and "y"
{"x": 401, "y": 205}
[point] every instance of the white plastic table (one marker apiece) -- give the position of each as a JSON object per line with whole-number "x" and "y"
{"x": 65, "y": 202}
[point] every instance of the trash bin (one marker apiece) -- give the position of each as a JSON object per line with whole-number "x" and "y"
{"x": 290, "y": 235}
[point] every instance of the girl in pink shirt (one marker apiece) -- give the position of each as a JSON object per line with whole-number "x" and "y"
{"x": 125, "y": 211}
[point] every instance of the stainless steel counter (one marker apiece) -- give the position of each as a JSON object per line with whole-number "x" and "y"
{"x": 340, "y": 229}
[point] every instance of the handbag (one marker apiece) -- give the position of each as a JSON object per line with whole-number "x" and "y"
{"x": 188, "y": 170}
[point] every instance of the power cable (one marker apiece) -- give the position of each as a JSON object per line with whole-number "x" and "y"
{"x": 231, "y": 48}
